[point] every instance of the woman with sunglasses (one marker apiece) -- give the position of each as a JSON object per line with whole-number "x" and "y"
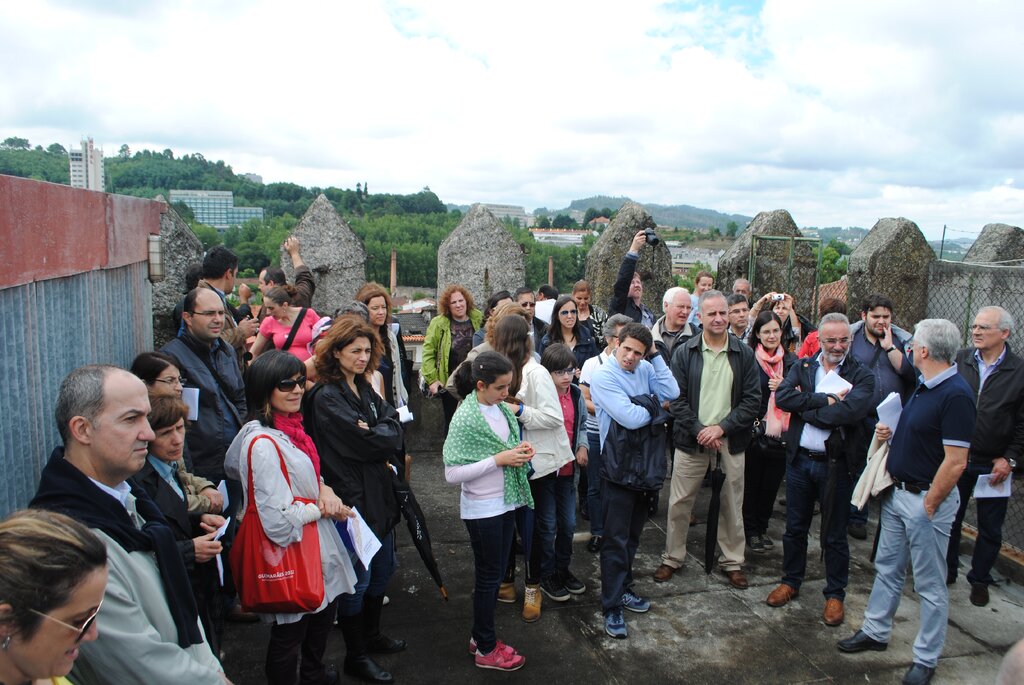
{"x": 162, "y": 375}
{"x": 570, "y": 332}
{"x": 51, "y": 588}
{"x": 359, "y": 438}
{"x": 273, "y": 440}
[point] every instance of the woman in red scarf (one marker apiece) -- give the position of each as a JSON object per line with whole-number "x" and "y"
{"x": 766, "y": 456}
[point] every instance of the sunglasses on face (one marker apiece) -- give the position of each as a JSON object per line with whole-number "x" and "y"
{"x": 530, "y": 305}
{"x": 81, "y": 630}
{"x": 567, "y": 312}
{"x": 289, "y": 384}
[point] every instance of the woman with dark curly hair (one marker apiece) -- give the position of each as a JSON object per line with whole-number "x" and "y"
{"x": 448, "y": 340}
{"x": 359, "y": 438}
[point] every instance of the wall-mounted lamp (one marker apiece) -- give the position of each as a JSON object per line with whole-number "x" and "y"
{"x": 156, "y": 259}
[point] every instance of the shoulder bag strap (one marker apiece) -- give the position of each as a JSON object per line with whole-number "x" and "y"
{"x": 295, "y": 329}
{"x": 284, "y": 470}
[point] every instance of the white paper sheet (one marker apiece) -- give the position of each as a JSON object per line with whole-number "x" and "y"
{"x": 222, "y": 488}
{"x": 543, "y": 310}
{"x": 217, "y": 536}
{"x": 889, "y": 411}
{"x": 833, "y": 383}
{"x": 404, "y": 415}
{"x": 190, "y": 396}
{"x": 365, "y": 542}
{"x": 984, "y": 488}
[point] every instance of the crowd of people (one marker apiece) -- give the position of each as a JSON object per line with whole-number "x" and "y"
{"x": 300, "y": 435}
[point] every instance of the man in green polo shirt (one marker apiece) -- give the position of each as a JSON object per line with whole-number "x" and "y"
{"x": 719, "y": 398}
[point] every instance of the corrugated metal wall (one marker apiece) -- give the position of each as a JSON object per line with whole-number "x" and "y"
{"x": 48, "y": 328}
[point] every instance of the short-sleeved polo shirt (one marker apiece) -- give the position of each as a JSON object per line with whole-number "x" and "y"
{"x": 940, "y": 412}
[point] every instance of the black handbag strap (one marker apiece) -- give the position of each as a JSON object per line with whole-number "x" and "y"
{"x": 295, "y": 329}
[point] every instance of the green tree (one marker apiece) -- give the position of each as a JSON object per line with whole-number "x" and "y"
{"x": 251, "y": 256}
{"x": 833, "y": 265}
{"x": 543, "y": 222}
{"x": 689, "y": 280}
{"x": 14, "y": 143}
{"x": 208, "y": 235}
{"x": 840, "y": 247}
{"x": 564, "y": 221}
{"x": 124, "y": 152}
{"x": 56, "y": 149}
{"x": 731, "y": 229}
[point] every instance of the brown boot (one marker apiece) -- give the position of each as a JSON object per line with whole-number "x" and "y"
{"x": 834, "y": 614}
{"x": 507, "y": 593}
{"x": 781, "y": 595}
{"x": 664, "y": 573}
{"x": 531, "y": 603}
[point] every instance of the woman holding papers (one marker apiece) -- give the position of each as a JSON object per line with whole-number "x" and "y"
{"x": 766, "y": 456}
{"x": 359, "y": 437}
{"x": 285, "y": 466}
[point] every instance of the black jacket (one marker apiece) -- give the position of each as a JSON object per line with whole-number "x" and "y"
{"x": 850, "y": 419}
{"x": 999, "y": 427}
{"x": 214, "y": 370}
{"x": 687, "y": 367}
{"x": 620, "y": 302}
{"x": 788, "y": 359}
{"x": 637, "y": 458}
{"x": 354, "y": 461}
{"x": 184, "y": 525}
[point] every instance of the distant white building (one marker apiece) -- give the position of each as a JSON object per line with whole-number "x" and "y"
{"x": 510, "y": 212}
{"x": 87, "y": 166}
{"x": 216, "y": 207}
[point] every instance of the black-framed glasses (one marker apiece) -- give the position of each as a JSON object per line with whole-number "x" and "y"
{"x": 289, "y": 384}
{"x": 82, "y": 629}
{"x": 179, "y": 380}
{"x": 568, "y": 312}
{"x": 566, "y": 372}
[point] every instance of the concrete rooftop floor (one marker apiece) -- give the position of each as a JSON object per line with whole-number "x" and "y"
{"x": 700, "y": 630}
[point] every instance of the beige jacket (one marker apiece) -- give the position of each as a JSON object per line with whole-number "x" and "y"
{"x": 542, "y": 422}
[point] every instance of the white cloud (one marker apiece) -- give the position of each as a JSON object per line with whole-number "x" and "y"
{"x": 840, "y": 113}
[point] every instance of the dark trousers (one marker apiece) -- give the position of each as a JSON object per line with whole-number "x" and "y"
{"x": 371, "y": 581}
{"x": 625, "y": 512}
{"x": 536, "y": 533}
{"x": 595, "y": 484}
{"x": 448, "y": 405}
{"x": 991, "y": 514}
{"x": 805, "y": 484}
{"x": 306, "y": 638}
{"x": 762, "y": 475}
{"x": 491, "y": 539}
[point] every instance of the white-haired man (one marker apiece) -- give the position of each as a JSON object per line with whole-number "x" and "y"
{"x": 672, "y": 329}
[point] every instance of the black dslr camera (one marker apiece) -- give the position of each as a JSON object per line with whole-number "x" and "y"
{"x": 651, "y": 237}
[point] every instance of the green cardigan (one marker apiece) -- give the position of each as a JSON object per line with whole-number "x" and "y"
{"x": 437, "y": 346}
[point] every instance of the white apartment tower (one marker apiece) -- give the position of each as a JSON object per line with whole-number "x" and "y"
{"x": 87, "y": 166}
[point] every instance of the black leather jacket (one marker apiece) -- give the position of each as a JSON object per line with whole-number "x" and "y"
{"x": 999, "y": 427}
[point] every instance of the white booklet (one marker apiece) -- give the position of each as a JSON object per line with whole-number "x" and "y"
{"x": 833, "y": 383}
{"x": 984, "y": 487}
{"x": 889, "y": 411}
{"x": 364, "y": 541}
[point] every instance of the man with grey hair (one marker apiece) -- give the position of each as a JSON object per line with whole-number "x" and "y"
{"x": 996, "y": 376}
{"x": 825, "y": 447}
{"x": 149, "y": 629}
{"x": 741, "y": 286}
{"x": 719, "y": 397}
{"x": 672, "y": 329}
{"x": 927, "y": 454}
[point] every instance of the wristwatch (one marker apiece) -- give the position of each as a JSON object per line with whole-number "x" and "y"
{"x": 1011, "y": 462}
{"x": 891, "y": 349}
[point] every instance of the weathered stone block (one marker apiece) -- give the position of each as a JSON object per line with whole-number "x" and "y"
{"x": 997, "y": 243}
{"x": 604, "y": 260}
{"x": 893, "y": 259}
{"x": 181, "y": 248}
{"x": 772, "y": 270}
{"x": 332, "y": 252}
{"x": 481, "y": 256}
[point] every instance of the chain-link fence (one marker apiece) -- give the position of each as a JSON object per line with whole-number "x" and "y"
{"x": 956, "y": 291}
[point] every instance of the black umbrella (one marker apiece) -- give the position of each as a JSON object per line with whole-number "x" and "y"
{"x": 417, "y": 524}
{"x": 711, "y": 541}
{"x": 829, "y": 499}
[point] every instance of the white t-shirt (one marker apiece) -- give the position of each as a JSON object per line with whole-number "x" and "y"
{"x": 586, "y": 373}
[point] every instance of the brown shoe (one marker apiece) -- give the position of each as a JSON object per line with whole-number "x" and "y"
{"x": 834, "y": 614}
{"x": 664, "y": 573}
{"x": 781, "y": 595}
{"x": 737, "y": 579}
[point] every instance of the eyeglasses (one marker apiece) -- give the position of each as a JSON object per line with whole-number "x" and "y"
{"x": 566, "y": 372}
{"x": 567, "y": 312}
{"x": 529, "y": 305}
{"x": 981, "y": 327}
{"x": 174, "y": 380}
{"x": 81, "y": 630}
{"x": 835, "y": 341}
{"x": 289, "y": 384}
{"x": 209, "y": 312}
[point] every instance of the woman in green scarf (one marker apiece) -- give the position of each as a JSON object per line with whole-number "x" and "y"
{"x": 483, "y": 453}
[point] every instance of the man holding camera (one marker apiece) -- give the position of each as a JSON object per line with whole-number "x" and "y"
{"x": 629, "y": 288}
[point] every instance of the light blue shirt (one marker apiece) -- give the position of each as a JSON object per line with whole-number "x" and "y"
{"x": 611, "y": 386}
{"x": 166, "y": 471}
{"x": 985, "y": 370}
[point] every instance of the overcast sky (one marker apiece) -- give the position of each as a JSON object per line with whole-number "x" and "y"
{"x": 839, "y": 112}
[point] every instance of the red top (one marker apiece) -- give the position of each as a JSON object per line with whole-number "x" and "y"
{"x": 569, "y": 417}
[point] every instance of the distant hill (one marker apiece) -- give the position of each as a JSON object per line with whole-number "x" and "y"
{"x": 953, "y": 250}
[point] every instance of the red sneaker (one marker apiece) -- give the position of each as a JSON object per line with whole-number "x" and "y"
{"x": 503, "y": 658}
{"x": 500, "y": 645}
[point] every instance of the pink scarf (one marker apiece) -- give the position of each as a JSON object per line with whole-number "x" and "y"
{"x": 291, "y": 425}
{"x": 776, "y": 421}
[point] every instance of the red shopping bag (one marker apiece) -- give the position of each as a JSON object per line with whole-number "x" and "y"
{"x": 272, "y": 579}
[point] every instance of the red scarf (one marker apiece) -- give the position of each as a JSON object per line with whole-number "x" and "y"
{"x": 776, "y": 421}
{"x": 291, "y": 425}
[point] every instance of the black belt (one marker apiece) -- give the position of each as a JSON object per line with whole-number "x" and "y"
{"x": 912, "y": 488}
{"x": 813, "y": 456}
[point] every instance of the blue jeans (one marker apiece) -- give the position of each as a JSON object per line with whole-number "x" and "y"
{"x": 372, "y": 581}
{"x": 909, "y": 535}
{"x": 547, "y": 517}
{"x": 805, "y": 484}
{"x": 565, "y": 520}
{"x": 991, "y": 514}
{"x": 491, "y": 539}
{"x": 595, "y": 484}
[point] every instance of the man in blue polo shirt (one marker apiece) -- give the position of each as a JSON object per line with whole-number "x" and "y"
{"x": 927, "y": 454}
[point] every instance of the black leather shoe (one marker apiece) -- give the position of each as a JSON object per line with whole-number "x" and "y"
{"x": 918, "y": 675}
{"x": 860, "y": 642}
{"x": 595, "y": 544}
{"x": 331, "y": 676}
{"x": 857, "y": 530}
{"x": 979, "y": 594}
{"x": 382, "y": 644}
{"x": 366, "y": 669}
